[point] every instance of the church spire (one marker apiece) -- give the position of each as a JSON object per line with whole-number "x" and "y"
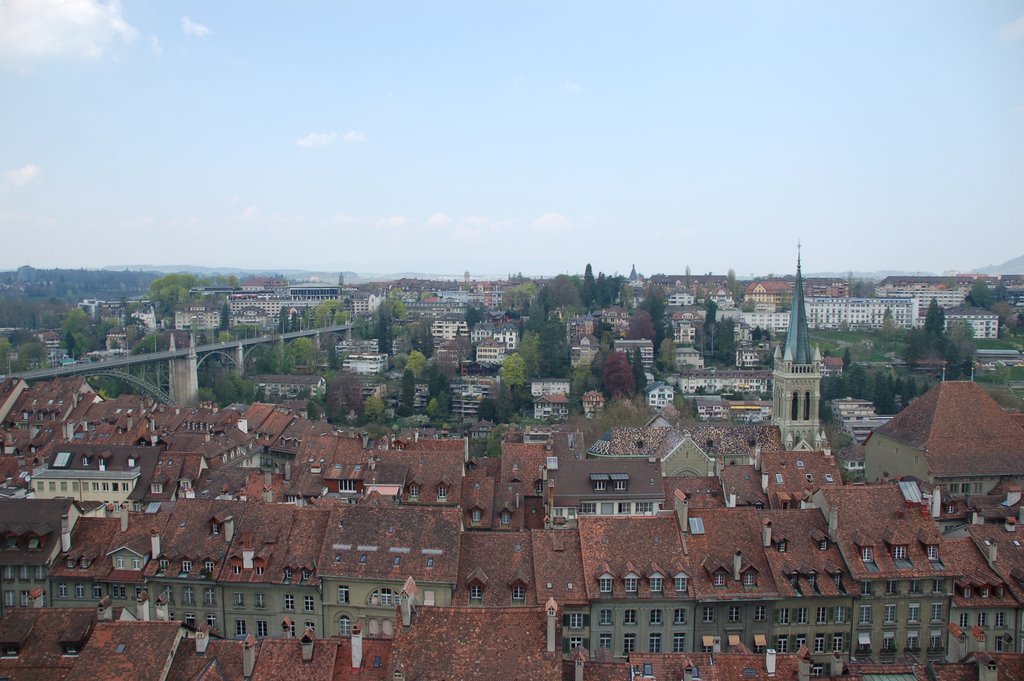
{"x": 798, "y": 344}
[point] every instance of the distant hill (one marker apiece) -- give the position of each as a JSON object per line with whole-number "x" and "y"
{"x": 1015, "y": 266}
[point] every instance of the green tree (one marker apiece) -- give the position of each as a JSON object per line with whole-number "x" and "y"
{"x": 324, "y": 313}
{"x": 171, "y": 290}
{"x": 303, "y": 352}
{"x": 934, "y": 321}
{"x": 980, "y": 295}
{"x": 846, "y": 359}
{"x": 639, "y": 376}
{"x": 588, "y": 294}
{"x": 474, "y": 315}
{"x": 513, "y": 371}
{"x": 416, "y": 363}
{"x": 667, "y": 355}
{"x": 225, "y": 317}
{"x": 374, "y": 409}
{"x": 529, "y": 350}
{"x": 433, "y": 408}
{"x": 408, "y": 391}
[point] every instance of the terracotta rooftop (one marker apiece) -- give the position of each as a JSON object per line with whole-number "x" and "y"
{"x": 44, "y": 635}
{"x": 497, "y": 562}
{"x": 125, "y": 651}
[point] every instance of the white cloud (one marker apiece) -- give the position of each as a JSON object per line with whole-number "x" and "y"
{"x": 1013, "y": 30}
{"x": 353, "y": 136}
{"x": 571, "y": 87}
{"x": 438, "y": 220}
{"x": 551, "y": 221}
{"x": 22, "y": 176}
{"x": 249, "y": 214}
{"x": 33, "y": 29}
{"x": 154, "y": 44}
{"x": 194, "y": 29}
{"x": 317, "y": 139}
{"x": 397, "y": 221}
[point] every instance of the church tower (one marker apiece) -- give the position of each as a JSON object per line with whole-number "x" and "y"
{"x": 797, "y": 380}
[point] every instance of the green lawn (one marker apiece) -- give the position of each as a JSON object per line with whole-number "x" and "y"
{"x": 865, "y": 346}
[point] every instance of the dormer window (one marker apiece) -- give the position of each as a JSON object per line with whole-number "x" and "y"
{"x": 506, "y": 518}
{"x": 719, "y": 578}
{"x": 306, "y": 574}
{"x": 812, "y": 580}
{"x": 600, "y": 485}
{"x": 33, "y": 543}
{"x": 933, "y": 552}
{"x": 10, "y": 650}
{"x": 208, "y": 566}
{"x": 984, "y": 592}
{"x": 899, "y": 552}
{"x": 538, "y": 487}
{"x": 414, "y": 492}
{"x": 823, "y": 545}
{"x": 631, "y": 583}
{"x": 781, "y": 546}
{"x": 656, "y": 584}
{"x": 288, "y": 575}
{"x": 186, "y": 566}
{"x": 442, "y": 492}
{"x": 475, "y": 515}
{"x": 71, "y": 562}
{"x": 620, "y": 485}
{"x": 967, "y": 592}
{"x": 867, "y": 554}
{"x": 215, "y": 528}
{"x": 681, "y": 583}
{"x": 749, "y": 578}
{"x": 604, "y": 584}
{"x": 85, "y": 461}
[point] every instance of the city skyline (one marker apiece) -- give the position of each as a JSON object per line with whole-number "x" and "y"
{"x": 459, "y": 137}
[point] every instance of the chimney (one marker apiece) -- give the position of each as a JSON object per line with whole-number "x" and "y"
{"x": 833, "y": 525}
{"x": 357, "y": 646}
{"x": 682, "y": 509}
{"x": 161, "y": 608}
{"x": 416, "y": 436}
{"x": 936, "y": 502}
{"x": 803, "y": 664}
{"x": 268, "y": 479}
{"x": 409, "y": 599}
{"x": 764, "y": 483}
{"x": 248, "y": 553}
{"x": 202, "y": 639}
{"x": 769, "y": 661}
{"x": 65, "y": 533}
{"x": 243, "y": 425}
{"x": 757, "y": 459}
{"x": 248, "y": 656}
{"x": 827, "y": 451}
{"x": 229, "y": 529}
{"x": 1010, "y": 525}
{"x": 766, "y": 533}
{"x": 154, "y": 544}
{"x": 836, "y": 665}
{"x": 988, "y": 668}
{"x": 36, "y": 595}
{"x": 977, "y": 518}
{"x": 737, "y": 561}
{"x": 552, "y": 609}
{"x": 1012, "y": 495}
{"x": 731, "y": 500}
{"x": 142, "y": 607}
{"x": 579, "y": 661}
{"x": 104, "y": 610}
{"x": 688, "y": 671}
{"x": 287, "y": 471}
{"x": 991, "y": 545}
{"x": 124, "y": 517}
{"x": 268, "y": 495}
{"x": 307, "y": 645}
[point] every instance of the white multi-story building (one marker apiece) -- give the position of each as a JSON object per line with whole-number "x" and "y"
{"x": 645, "y": 346}
{"x": 716, "y": 381}
{"x": 861, "y": 313}
{"x": 659, "y": 395}
{"x": 490, "y": 351}
{"x": 983, "y": 323}
{"x": 366, "y": 363}
{"x": 549, "y": 386}
{"x": 776, "y": 322}
{"x": 449, "y": 327}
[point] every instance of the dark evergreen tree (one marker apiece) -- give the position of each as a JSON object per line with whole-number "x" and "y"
{"x": 639, "y": 376}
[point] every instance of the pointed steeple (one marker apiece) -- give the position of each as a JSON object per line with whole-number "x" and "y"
{"x": 798, "y": 344}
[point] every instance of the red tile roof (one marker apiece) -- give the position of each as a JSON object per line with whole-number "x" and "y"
{"x": 127, "y": 651}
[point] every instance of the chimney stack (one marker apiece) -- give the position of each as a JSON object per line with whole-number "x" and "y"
{"x": 764, "y": 482}
{"x": 833, "y": 524}
{"x": 202, "y": 638}
{"x": 977, "y": 518}
{"x": 991, "y": 545}
{"x": 552, "y": 609}
{"x": 36, "y": 595}
{"x": 248, "y": 656}
{"x": 737, "y": 561}
{"x": 229, "y": 529}
{"x": 65, "y": 533}
{"x": 104, "y": 610}
{"x": 766, "y": 533}
{"x": 936, "y": 501}
{"x": 682, "y": 509}
{"x": 803, "y": 664}
{"x": 757, "y": 459}
{"x": 836, "y": 665}
{"x": 1010, "y": 525}
{"x": 307, "y": 645}
{"x": 154, "y": 544}
{"x": 769, "y": 661}
{"x": 287, "y": 472}
{"x": 731, "y": 500}
{"x": 988, "y": 668}
{"x": 579, "y": 661}
{"x": 161, "y": 608}
{"x": 357, "y": 646}
{"x": 142, "y": 607}
{"x": 124, "y": 517}
{"x": 409, "y": 599}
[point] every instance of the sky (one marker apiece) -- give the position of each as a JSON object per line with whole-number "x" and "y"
{"x": 505, "y": 137}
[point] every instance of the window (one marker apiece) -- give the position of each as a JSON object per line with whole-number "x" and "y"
{"x": 937, "y": 586}
{"x": 97, "y": 591}
{"x": 186, "y": 566}
{"x": 899, "y": 552}
{"x": 414, "y": 492}
{"x": 890, "y": 587}
{"x": 120, "y": 563}
{"x": 679, "y": 616}
{"x": 708, "y": 614}
{"x": 476, "y": 515}
{"x": 209, "y": 596}
{"x": 190, "y": 619}
{"x": 865, "y": 614}
{"x": 575, "y": 620}
{"x": 79, "y": 590}
{"x": 935, "y": 640}
{"x": 605, "y": 616}
{"x": 239, "y": 599}
{"x": 867, "y": 554}
{"x": 261, "y": 600}
{"x": 629, "y": 616}
{"x": 211, "y": 620}
{"x": 760, "y": 613}
{"x": 118, "y": 591}
{"x": 890, "y": 613}
{"x": 655, "y": 584}
{"x": 289, "y": 602}
{"x": 782, "y": 644}
{"x": 681, "y": 583}
{"x": 442, "y": 492}
{"x": 654, "y": 643}
{"x": 837, "y": 643}
{"x": 1000, "y": 620}
{"x": 865, "y": 588}
{"x": 782, "y": 616}
{"x": 678, "y": 642}
{"x": 734, "y": 613}
{"x": 604, "y": 641}
{"x": 307, "y": 604}
{"x": 655, "y": 616}
{"x": 629, "y": 643}
{"x": 820, "y": 615}
{"x": 749, "y": 578}
{"x": 518, "y": 594}
{"x": 62, "y": 590}
{"x": 287, "y": 575}
{"x": 937, "y": 612}
{"x": 914, "y": 612}
{"x": 801, "y": 615}
{"x": 631, "y": 584}
{"x": 965, "y": 620}
{"x": 605, "y": 585}
{"x": 506, "y": 518}
{"x": 261, "y": 628}
{"x": 719, "y": 579}
{"x": 240, "y": 627}
{"x": 643, "y": 507}
{"x": 588, "y": 508}
{"x": 600, "y": 485}
{"x": 476, "y": 594}
{"x": 840, "y": 614}
{"x": 982, "y": 619}
{"x": 343, "y": 594}
{"x": 819, "y": 643}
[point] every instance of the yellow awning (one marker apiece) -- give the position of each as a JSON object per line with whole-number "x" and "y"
{"x": 760, "y": 640}
{"x": 734, "y": 639}
{"x": 709, "y": 641}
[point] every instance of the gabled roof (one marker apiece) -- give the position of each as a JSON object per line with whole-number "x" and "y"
{"x": 127, "y": 650}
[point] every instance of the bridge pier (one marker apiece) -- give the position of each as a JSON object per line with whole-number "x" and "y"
{"x": 184, "y": 375}
{"x": 239, "y": 356}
